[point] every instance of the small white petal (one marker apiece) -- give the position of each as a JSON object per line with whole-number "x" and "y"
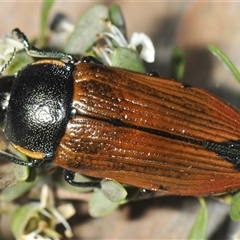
{"x": 61, "y": 219}
{"x": 46, "y": 197}
{"x": 105, "y": 56}
{"x": 103, "y": 53}
{"x": 148, "y": 51}
{"x": 119, "y": 35}
{"x": 67, "y": 210}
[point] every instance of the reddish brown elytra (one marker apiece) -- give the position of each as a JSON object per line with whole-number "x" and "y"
{"x": 106, "y": 122}
{"x": 151, "y": 133}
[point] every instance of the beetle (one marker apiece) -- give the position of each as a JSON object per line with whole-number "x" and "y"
{"x": 106, "y": 122}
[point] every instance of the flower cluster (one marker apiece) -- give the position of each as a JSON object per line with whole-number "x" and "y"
{"x": 114, "y": 37}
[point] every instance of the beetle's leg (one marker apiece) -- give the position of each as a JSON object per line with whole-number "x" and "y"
{"x": 146, "y": 192}
{"x": 69, "y": 177}
{"x": 89, "y": 59}
{"x": 11, "y": 158}
{"x": 153, "y": 74}
{"x": 35, "y": 52}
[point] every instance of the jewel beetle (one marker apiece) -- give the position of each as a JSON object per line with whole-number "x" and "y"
{"x": 106, "y": 122}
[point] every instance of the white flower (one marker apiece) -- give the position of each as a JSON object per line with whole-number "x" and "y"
{"x": 48, "y": 209}
{"x": 45, "y": 229}
{"x": 147, "y": 52}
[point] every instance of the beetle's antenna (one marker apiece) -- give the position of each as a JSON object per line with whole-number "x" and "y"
{"x": 9, "y": 61}
{"x": 35, "y": 52}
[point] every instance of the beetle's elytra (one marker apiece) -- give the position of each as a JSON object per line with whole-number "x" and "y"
{"x": 106, "y": 122}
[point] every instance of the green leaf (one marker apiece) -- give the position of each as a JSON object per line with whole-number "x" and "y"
{"x": 46, "y": 7}
{"x": 100, "y": 206}
{"x": 235, "y": 207}
{"x": 128, "y": 59}
{"x": 16, "y": 191}
{"x": 225, "y": 60}
{"x": 199, "y": 229}
{"x": 113, "y": 190}
{"x": 89, "y": 25}
{"x": 21, "y": 172}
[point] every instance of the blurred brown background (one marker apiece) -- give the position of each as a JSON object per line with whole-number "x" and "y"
{"x": 191, "y": 25}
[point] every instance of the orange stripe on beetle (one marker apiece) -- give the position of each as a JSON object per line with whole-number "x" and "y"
{"x": 29, "y": 153}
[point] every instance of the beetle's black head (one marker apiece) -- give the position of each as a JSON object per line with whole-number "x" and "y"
{"x": 6, "y": 83}
{"x": 39, "y": 107}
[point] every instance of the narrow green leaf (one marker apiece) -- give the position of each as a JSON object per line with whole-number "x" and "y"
{"x": 199, "y": 229}
{"x": 46, "y": 7}
{"x": 16, "y": 191}
{"x": 128, "y": 59}
{"x": 226, "y": 61}
{"x": 89, "y": 25}
{"x": 117, "y": 19}
{"x": 235, "y": 207}
{"x": 178, "y": 64}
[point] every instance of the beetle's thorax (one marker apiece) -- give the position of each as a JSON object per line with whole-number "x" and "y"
{"x": 40, "y": 106}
